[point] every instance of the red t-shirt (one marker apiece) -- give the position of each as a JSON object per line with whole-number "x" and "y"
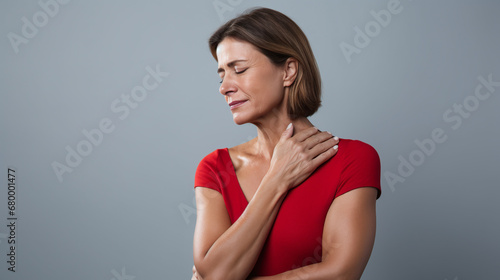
{"x": 295, "y": 238}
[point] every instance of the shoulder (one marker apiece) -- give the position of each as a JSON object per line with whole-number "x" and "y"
{"x": 357, "y": 151}
{"x": 207, "y": 173}
{"x": 212, "y": 155}
{"x": 353, "y": 145}
{"x": 212, "y": 159}
{"x": 360, "y": 165}
{"x": 351, "y": 149}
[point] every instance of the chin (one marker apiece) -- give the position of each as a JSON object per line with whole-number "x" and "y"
{"x": 248, "y": 116}
{"x": 239, "y": 121}
{"x": 240, "y": 118}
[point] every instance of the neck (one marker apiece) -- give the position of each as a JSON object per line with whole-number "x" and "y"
{"x": 269, "y": 133}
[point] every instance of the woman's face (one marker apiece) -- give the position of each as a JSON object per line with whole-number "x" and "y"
{"x": 249, "y": 76}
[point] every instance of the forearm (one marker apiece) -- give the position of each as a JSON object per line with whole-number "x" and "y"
{"x": 347, "y": 243}
{"x": 234, "y": 254}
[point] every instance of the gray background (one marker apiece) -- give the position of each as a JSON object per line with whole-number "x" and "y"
{"x": 127, "y": 209}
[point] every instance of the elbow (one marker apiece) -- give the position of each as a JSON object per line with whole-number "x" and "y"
{"x": 213, "y": 272}
{"x": 207, "y": 275}
{"x": 203, "y": 272}
{"x": 214, "y": 275}
{"x": 220, "y": 275}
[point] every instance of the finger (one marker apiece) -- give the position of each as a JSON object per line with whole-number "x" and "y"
{"x": 322, "y": 147}
{"x": 318, "y": 138}
{"x": 324, "y": 156}
{"x": 305, "y": 134}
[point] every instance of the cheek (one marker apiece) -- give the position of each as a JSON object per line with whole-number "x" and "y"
{"x": 265, "y": 87}
{"x": 274, "y": 89}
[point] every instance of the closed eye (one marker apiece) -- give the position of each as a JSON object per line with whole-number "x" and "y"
{"x": 242, "y": 71}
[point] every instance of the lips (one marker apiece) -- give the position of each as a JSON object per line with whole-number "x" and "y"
{"x": 236, "y": 102}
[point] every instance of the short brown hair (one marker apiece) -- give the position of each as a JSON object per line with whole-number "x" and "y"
{"x": 279, "y": 38}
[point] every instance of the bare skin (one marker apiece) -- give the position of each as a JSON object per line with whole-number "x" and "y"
{"x": 267, "y": 167}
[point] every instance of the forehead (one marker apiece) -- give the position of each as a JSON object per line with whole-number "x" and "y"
{"x": 231, "y": 49}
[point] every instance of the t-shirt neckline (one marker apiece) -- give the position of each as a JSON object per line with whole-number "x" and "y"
{"x": 228, "y": 158}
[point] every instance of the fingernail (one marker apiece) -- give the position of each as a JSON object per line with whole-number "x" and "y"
{"x": 290, "y": 125}
{"x": 335, "y": 147}
{"x": 336, "y": 138}
{"x": 329, "y": 132}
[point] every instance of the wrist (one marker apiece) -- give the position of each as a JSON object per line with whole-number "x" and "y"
{"x": 275, "y": 184}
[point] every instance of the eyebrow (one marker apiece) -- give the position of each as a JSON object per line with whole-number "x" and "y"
{"x": 231, "y": 64}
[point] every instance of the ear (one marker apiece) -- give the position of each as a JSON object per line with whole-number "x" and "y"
{"x": 290, "y": 71}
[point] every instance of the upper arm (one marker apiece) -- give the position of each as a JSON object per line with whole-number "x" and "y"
{"x": 212, "y": 220}
{"x": 349, "y": 232}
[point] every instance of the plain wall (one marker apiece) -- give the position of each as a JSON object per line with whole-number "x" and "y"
{"x": 126, "y": 207}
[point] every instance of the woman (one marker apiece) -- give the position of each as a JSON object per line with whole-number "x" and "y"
{"x": 294, "y": 202}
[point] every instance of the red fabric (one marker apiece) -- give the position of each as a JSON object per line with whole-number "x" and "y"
{"x": 295, "y": 238}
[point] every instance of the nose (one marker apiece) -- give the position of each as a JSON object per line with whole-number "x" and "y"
{"x": 227, "y": 86}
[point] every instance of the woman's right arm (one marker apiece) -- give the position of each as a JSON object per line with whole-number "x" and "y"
{"x": 225, "y": 251}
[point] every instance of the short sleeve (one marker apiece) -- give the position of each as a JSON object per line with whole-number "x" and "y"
{"x": 361, "y": 168}
{"x": 205, "y": 175}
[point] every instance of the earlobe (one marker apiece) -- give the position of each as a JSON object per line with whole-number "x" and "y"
{"x": 291, "y": 69}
